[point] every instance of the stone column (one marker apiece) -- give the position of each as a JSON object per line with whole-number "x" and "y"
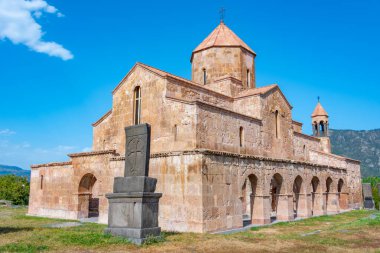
{"x": 261, "y": 210}
{"x": 83, "y": 205}
{"x": 343, "y": 201}
{"x": 319, "y": 205}
{"x": 332, "y": 202}
{"x": 285, "y": 210}
{"x": 304, "y": 205}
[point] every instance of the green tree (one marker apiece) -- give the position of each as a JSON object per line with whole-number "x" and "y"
{"x": 15, "y": 189}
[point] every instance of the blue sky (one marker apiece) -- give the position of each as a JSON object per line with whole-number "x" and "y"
{"x": 51, "y": 93}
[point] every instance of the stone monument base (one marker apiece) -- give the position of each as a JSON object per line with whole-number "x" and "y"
{"x": 133, "y": 215}
{"x": 135, "y": 235}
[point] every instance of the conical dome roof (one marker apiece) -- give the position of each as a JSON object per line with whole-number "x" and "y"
{"x": 319, "y": 111}
{"x": 222, "y": 36}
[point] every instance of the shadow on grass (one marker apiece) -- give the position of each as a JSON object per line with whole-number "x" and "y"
{"x": 6, "y": 230}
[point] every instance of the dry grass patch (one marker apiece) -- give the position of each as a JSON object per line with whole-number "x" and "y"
{"x": 355, "y": 231}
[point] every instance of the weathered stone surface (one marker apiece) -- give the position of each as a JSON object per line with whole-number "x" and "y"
{"x": 367, "y": 196}
{"x": 134, "y": 184}
{"x": 137, "y": 150}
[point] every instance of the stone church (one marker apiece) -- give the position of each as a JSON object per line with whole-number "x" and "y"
{"x": 225, "y": 152}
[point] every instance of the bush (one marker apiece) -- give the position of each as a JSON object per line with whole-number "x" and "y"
{"x": 15, "y": 189}
{"x": 375, "y": 191}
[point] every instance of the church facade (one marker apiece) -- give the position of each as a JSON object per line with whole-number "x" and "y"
{"x": 225, "y": 152}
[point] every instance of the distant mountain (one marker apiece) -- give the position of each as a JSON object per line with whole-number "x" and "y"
{"x": 361, "y": 145}
{"x": 7, "y": 170}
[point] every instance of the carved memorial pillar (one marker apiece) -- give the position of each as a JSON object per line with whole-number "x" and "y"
{"x": 367, "y": 196}
{"x": 133, "y": 205}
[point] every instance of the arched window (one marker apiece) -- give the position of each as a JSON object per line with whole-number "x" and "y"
{"x": 204, "y": 76}
{"x": 322, "y": 127}
{"x": 248, "y": 79}
{"x": 316, "y": 128}
{"x": 137, "y": 105}
{"x": 304, "y": 151}
{"x": 241, "y": 136}
{"x": 277, "y": 123}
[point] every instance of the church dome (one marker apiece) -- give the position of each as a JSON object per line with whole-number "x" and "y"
{"x": 222, "y": 36}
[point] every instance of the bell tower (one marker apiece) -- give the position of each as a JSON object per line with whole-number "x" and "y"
{"x": 320, "y": 124}
{"x": 223, "y": 55}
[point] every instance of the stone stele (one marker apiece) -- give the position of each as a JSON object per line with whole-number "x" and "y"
{"x": 367, "y": 195}
{"x": 133, "y": 205}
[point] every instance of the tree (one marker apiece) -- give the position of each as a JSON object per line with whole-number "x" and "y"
{"x": 15, "y": 189}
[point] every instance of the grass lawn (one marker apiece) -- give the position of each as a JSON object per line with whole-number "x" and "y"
{"x": 356, "y": 231}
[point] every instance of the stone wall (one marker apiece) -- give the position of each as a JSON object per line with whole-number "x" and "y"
{"x": 250, "y": 106}
{"x": 280, "y": 146}
{"x": 223, "y": 61}
{"x": 220, "y": 129}
{"x": 62, "y": 195}
{"x": 224, "y": 176}
{"x": 303, "y": 144}
{"x": 51, "y": 192}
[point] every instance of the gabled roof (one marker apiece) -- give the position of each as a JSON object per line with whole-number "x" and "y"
{"x": 256, "y": 91}
{"x": 165, "y": 74}
{"x": 319, "y": 111}
{"x": 222, "y": 36}
{"x": 262, "y": 91}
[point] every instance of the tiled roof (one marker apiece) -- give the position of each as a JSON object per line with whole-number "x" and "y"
{"x": 256, "y": 91}
{"x": 222, "y": 36}
{"x": 319, "y": 111}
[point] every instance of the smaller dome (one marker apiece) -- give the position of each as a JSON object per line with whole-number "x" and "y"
{"x": 319, "y": 111}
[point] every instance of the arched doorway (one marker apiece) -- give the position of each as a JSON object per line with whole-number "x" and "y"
{"x": 248, "y": 191}
{"x": 88, "y": 201}
{"x": 298, "y": 196}
{"x": 328, "y": 191}
{"x": 275, "y": 190}
{"x": 343, "y": 196}
{"x": 316, "y": 197}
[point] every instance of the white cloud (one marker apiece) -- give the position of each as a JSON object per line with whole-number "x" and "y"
{"x": 6, "y": 132}
{"x": 18, "y": 24}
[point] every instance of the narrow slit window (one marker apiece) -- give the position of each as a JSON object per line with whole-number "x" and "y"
{"x": 137, "y": 107}
{"x": 204, "y": 76}
{"x": 241, "y": 136}
{"x": 175, "y": 130}
{"x": 41, "y": 182}
{"x": 277, "y": 123}
{"x": 248, "y": 79}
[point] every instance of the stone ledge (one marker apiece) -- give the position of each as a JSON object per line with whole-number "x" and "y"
{"x": 204, "y": 104}
{"x": 235, "y": 155}
{"x": 342, "y": 158}
{"x": 102, "y": 152}
{"x": 306, "y": 136}
{"x": 35, "y": 166}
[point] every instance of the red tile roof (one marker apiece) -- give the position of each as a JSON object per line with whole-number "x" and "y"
{"x": 319, "y": 111}
{"x": 222, "y": 36}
